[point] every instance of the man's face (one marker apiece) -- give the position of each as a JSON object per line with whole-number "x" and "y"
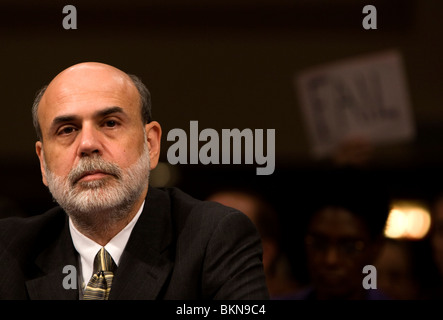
{"x": 92, "y": 132}
{"x": 337, "y": 251}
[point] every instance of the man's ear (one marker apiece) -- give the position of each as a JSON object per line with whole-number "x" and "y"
{"x": 153, "y": 135}
{"x": 39, "y": 151}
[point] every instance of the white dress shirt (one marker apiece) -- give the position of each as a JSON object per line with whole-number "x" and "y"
{"x": 88, "y": 248}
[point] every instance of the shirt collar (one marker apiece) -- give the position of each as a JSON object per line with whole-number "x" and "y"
{"x": 87, "y": 248}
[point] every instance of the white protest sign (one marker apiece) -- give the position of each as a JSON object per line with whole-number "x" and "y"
{"x": 359, "y": 97}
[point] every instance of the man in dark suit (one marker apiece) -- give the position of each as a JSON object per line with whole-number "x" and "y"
{"x": 97, "y": 145}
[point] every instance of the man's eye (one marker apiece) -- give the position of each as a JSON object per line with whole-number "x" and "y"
{"x": 111, "y": 123}
{"x": 66, "y": 130}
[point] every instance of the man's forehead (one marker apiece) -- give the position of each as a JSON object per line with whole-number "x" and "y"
{"x": 336, "y": 220}
{"x": 89, "y": 84}
{"x": 68, "y": 92}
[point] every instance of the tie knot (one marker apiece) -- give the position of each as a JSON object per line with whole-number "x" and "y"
{"x": 103, "y": 261}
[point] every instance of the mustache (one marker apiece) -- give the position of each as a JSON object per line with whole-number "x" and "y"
{"x": 91, "y": 165}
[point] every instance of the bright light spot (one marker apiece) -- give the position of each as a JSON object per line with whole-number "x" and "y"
{"x": 408, "y": 219}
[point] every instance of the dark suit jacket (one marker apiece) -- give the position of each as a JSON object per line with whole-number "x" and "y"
{"x": 180, "y": 248}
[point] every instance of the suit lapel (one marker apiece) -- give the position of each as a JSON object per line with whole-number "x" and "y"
{"x": 146, "y": 261}
{"x": 51, "y": 263}
{"x": 144, "y": 267}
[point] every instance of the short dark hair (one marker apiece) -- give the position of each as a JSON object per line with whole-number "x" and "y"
{"x": 363, "y": 195}
{"x": 145, "y": 103}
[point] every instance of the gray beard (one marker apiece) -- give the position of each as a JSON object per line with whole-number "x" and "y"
{"x": 95, "y": 206}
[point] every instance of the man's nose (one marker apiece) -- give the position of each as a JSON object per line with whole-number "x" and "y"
{"x": 332, "y": 255}
{"x": 89, "y": 141}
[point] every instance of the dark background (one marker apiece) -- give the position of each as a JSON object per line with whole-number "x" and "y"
{"x": 227, "y": 64}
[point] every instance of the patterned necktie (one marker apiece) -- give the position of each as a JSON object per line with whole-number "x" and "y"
{"x": 99, "y": 286}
